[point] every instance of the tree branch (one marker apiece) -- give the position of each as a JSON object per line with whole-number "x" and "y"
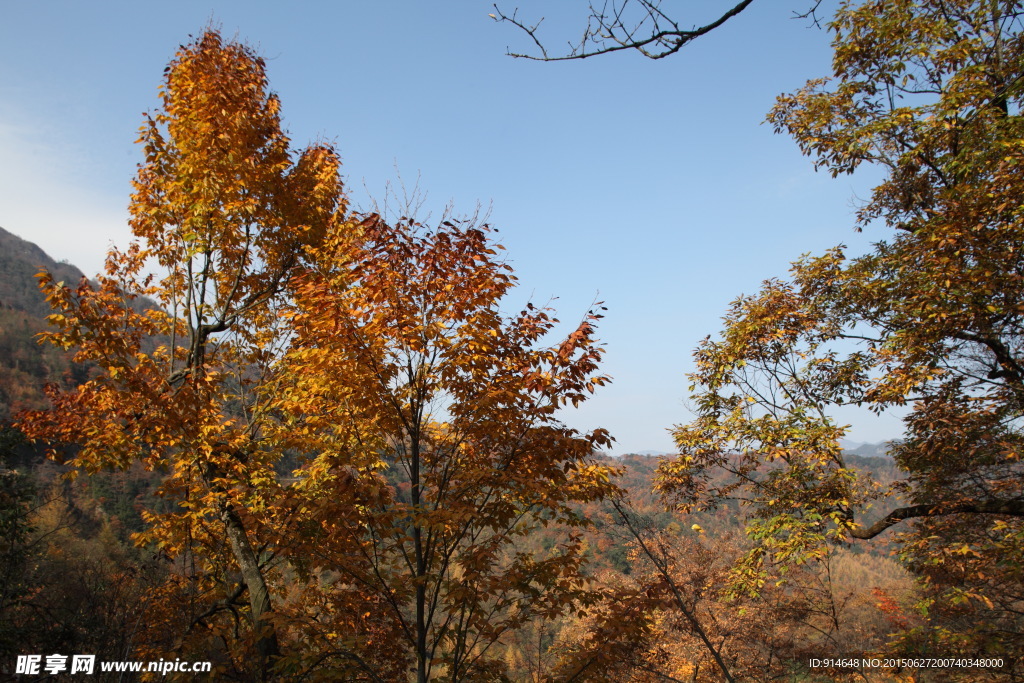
{"x": 607, "y": 31}
{"x": 1009, "y": 508}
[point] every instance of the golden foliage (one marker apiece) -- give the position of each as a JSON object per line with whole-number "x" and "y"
{"x": 372, "y": 360}
{"x": 930, "y": 318}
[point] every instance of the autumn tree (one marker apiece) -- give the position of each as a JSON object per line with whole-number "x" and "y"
{"x": 354, "y": 437}
{"x": 670, "y": 619}
{"x": 673, "y": 615}
{"x": 930, "y": 319}
{"x": 416, "y": 379}
{"x": 226, "y": 211}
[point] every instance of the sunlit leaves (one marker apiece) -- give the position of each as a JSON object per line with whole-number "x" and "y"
{"x": 354, "y": 435}
{"x": 407, "y": 367}
{"x": 928, "y": 319}
{"x": 188, "y": 386}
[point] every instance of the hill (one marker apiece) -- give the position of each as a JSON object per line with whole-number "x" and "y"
{"x": 20, "y": 261}
{"x": 25, "y": 365}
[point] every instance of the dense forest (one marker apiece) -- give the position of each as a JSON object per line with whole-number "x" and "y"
{"x": 303, "y": 441}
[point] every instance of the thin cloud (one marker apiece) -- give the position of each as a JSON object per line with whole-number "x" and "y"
{"x": 43, "y": 198}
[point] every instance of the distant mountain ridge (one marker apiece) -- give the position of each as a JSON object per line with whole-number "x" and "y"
{"x": 859, "y": 448}
{"x": 20, "y": 262}
{"x": 867, "y": 450}
{"x": 25, "y": 365}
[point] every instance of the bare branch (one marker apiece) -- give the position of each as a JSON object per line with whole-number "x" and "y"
{"x": 611, "y": 27}
{"x": 811, "y": 13}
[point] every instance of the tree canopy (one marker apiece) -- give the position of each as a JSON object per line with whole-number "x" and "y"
{"x": 929, "y": 319}
{"x": 351, "y": 434}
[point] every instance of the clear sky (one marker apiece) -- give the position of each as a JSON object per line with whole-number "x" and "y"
{"x": 652, "y": 186}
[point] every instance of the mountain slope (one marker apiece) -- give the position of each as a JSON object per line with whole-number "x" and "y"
{"x": 25, "y": 365}
{"x": 20, "y": 261}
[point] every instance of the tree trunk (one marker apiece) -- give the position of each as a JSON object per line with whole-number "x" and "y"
{"x": 259, "y": 595}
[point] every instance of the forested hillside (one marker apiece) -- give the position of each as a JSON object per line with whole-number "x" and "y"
{"x": 25, "y": 365}
{"x": 21, "y": 262}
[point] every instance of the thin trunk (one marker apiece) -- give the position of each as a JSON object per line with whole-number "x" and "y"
{"x": 688, "y": 612}
{"x": 422, "y": 661}
{"x": 259, "y": 595}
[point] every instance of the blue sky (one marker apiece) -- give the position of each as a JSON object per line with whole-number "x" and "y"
{"x": 652, "y": 186}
